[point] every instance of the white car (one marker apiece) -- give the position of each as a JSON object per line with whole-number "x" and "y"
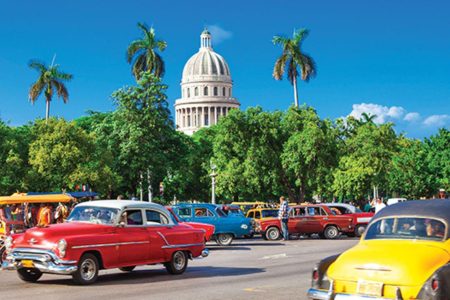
{"x": 395, "y": 200}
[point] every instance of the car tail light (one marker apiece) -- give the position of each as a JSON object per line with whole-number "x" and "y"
{"x": 434, "y": 284}
{"x": 315, "y": 275}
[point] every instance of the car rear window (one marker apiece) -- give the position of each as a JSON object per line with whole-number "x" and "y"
{"x": 407, "y": 228}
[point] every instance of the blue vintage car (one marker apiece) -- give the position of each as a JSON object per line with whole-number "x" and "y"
{"x": 227, "y": 228}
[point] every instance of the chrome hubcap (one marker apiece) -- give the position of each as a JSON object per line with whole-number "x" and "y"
{"x": 332, "y": 232}
{"x": 273, "y": 234}
{"x": 179, "y": 260}
{"x": 224, "y": 238}
{"x": 88, "y": 269}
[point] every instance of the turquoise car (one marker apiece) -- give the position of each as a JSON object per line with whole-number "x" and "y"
{"x": 227, "y": 228}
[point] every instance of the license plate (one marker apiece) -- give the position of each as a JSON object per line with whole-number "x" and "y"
{"x": 370, "y": 288}
{"x": 27, "y": 264}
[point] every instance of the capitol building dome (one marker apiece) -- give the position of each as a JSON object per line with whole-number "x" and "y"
{"x": 206, "y": 89}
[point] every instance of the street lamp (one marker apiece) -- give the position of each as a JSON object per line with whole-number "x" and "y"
{"x": 213, "y": 183}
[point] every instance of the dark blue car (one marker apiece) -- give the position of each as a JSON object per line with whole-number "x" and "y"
{"x": 227, "y": 228}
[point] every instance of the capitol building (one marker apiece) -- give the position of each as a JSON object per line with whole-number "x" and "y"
{"x": 206, "y": 89}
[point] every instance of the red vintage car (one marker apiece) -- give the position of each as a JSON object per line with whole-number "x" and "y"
{"x": 360, "y": 218}
{"x": 308, "y": 219}
{"x": 103, "y": 235}
{"x": 208, "y": 228}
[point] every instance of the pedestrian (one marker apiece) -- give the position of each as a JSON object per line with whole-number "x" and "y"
{"x": 379, "y": 205}
{"x": 283, "y": 216}
{"x": 120, "y": 197}
{"x": 442, "y": 194}
{"x": 45, "y": 216}
{"x": 61, "y": 213}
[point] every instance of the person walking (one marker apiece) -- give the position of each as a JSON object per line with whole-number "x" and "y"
{"x": 283, "y": 215}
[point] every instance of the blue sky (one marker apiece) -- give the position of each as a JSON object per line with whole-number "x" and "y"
{"x": 391, "y": 58}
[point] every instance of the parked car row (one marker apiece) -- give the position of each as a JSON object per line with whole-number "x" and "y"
{"x": 124, "y": 234}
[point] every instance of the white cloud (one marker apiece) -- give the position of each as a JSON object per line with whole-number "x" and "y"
{"x": 412, "y": 117}
{"x": 437, "y": 120}
{"x": 218, "y": 34}
{"x": 382, "y": 113}
{"x": 396, "y": 112}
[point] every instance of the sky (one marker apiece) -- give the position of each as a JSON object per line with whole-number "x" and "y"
{"x": 389, "y": 58}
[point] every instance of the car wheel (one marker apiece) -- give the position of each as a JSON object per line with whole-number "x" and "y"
{"x": 127, "y": 269}
{"x": 273, "y": 234}
{"x": 87, "y": 271}
{"x": 29, "y": 274}
{"x": 178, "y": 264}
{"x": 359, "y": 230}
{"x": 224, "y": 239}
{"x": 331, "y": 232}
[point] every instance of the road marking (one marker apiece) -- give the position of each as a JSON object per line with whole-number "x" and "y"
{"x": 274, "y": 256}
{"x": 253, "y": 290}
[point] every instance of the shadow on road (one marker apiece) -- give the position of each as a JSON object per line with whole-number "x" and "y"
{"x": 147, "y": 276}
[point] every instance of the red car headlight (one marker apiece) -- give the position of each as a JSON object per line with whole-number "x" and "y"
{"x": 61, "y": 246}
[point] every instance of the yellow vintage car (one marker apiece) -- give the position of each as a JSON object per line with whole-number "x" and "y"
{"x": 404, "y": 254}
{"x": 262, "y": 213}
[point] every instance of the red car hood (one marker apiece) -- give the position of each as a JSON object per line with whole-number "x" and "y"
{"x": 47, "y": 237}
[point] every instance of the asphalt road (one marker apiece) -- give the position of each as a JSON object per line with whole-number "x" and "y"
{"x": 250, "y": 269}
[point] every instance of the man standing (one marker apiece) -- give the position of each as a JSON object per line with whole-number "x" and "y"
{"x": 283, "y": 215}
{"x": 379, "y": 205}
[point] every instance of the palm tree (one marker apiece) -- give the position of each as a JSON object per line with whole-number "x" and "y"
{"x": 142, "y": 53}
{"x": 292, "y": 58}
{"x": 50, "y": 80}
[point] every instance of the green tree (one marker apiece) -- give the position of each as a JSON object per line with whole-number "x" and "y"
{"x": 247, "y": 151}
{"x": 63, "y": 155}
{"x": 310, "y": 153}
{"x": 50, "y": 81}
{"x": 292, "y": 59}
{"x": 140, "y": 133}
{"x": 366, "y": 158}
{"x": 142, "y": 53}
{"x": 188, "y": 177}
{"x": 14, "y": 143}
{"x": 438, "y": 159}
{"x": 410, "y": 175}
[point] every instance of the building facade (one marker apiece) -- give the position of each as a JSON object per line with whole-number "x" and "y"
{"x": 206, "y": 89}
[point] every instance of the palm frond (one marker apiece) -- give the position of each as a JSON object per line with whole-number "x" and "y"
{"x": 307, "y": 66}
{"x": 278, "y": 69}
{"x": 300, "y": 35}
{"x": 279, "y": 40}
{"x": 162, "y": 45}
{"x": 61, "y": 90}
{"x": 140, "y": 65}
{"x": 36, "y": 89}
{"x": 133, "y": 48}
{"x": 37, "y": 65}
{"x": 159, "y": 66}
{"x": 61, "y": 75}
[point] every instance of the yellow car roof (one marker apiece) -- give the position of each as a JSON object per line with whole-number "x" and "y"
{"x": 22, "y": 198}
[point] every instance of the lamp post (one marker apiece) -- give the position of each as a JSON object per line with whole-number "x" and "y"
{"x": 213, "y": 183}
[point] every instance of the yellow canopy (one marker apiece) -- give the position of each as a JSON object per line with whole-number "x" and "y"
{"x": 22, "y": 198}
